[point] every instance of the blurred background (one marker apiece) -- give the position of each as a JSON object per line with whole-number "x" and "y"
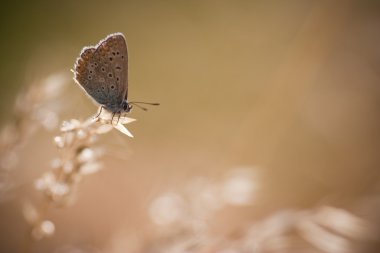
{"x": 265, "y": 139}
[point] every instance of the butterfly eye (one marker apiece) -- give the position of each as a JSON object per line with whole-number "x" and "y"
{"x": 126, "y": 107}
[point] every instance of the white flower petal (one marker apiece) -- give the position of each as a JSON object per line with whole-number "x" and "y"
{"x": 126, "y": 120}
{"x": 123, "y": 129}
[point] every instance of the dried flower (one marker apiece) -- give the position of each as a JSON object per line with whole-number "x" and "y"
{"x": 117, "y": 122}
{"x": 77, "y": 158}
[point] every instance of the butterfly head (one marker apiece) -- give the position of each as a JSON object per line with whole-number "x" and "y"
{"x": 127, "y": 107}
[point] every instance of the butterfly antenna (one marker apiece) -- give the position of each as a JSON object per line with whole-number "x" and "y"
{"x": 145, "y": 103}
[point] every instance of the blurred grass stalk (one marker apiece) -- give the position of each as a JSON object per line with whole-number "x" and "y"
{"x": 77, "y": 158}
{"x": 38, "y": 107}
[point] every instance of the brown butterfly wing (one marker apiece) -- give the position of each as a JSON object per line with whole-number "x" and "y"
{"x": 102, "y": 71}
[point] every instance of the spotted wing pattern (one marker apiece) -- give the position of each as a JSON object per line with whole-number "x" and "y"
{"x": 102, "y": 71}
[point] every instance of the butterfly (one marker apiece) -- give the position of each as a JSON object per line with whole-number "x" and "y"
{"x": 102, "y": 71}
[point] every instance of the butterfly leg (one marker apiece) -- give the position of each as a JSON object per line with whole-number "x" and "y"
{"x": 113, "y": 115}
{"x": 101, "y": 109}
{"x": 118, "y": 118}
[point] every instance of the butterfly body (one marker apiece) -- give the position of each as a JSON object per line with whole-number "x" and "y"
{"x": 102, "y": 71}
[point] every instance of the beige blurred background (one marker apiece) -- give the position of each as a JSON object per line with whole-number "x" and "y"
{"x": 288, "y": 90}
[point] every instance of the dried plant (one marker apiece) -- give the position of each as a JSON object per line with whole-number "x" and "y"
{"x": 77, "y": 158}
{"x": 35, "y": 107}
{"x": 183, "y": 221}
{"x": 39, "y": 107}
